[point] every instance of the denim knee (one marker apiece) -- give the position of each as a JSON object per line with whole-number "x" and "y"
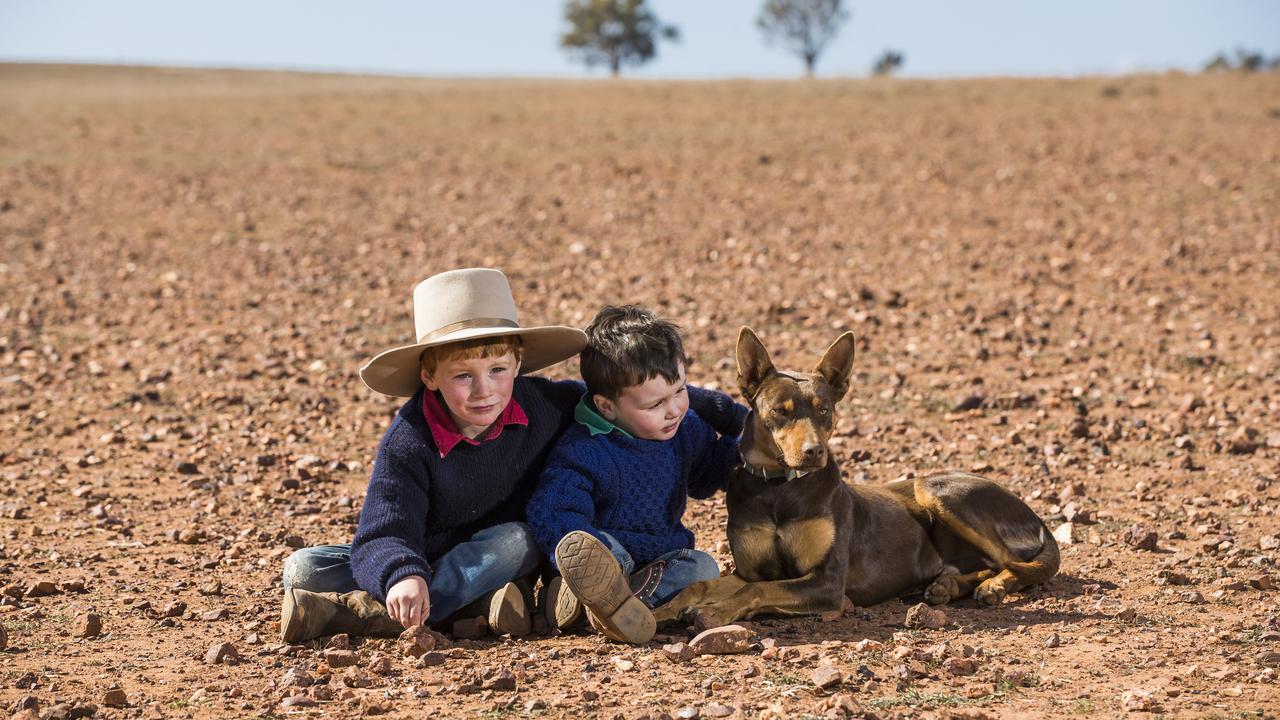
{"x": 321, "y": 568}
{"x": 513, "y": 545}
{"x": 705, "y": 567}
{"x": 298, "y": 567}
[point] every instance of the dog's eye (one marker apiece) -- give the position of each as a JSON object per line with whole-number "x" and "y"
{"x": 778, "y": 411}
{"x": 823, "y": 410}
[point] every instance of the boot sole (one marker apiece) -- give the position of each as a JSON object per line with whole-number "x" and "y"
{"x": 508, "y": 612}
{"x": 594, "y": 576}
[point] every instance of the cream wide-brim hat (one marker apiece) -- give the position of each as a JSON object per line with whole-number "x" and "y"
{"x": 466, "y": 304}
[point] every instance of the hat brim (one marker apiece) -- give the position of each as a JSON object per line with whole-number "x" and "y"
{"x": 395, "y": 372}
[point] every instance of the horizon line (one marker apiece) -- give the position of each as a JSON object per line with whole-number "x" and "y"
{"x": 407, "y": 74}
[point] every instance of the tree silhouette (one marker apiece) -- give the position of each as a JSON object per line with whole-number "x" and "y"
{"x": 613, "y": 32}
{"x": 1246, "y": 61}
{"x": 888, "y": 63}
{"x": 804, "y": 27}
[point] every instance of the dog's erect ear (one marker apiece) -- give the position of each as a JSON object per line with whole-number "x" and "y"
{"x": 754, "y": 364}
{"x": 836, "y": 364}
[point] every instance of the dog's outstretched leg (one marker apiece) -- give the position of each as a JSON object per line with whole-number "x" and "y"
{"x": 698, "y": 594}
{"x": 815, "y": 592}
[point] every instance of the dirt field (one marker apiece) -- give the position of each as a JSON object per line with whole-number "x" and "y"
{"x": 1071, "y": 286}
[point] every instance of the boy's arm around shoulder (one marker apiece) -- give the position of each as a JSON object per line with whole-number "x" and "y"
{"x": 388, "y": 545}
{"x": 563, "y": 394}
{"x": 719, "y": 410}
{"x": 712, "y": 458}
{"x": 564, "y": 500}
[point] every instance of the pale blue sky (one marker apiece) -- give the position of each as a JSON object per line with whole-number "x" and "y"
{"x": 719, "y": 37}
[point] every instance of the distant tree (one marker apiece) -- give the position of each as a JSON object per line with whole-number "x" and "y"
{"x": 803, "y": 27}
{"x": 1250, "y": 61}
{"x": 613, "y": 32}
{"x": 1218, "y": 63}
{"x": 888, "y": 63}
{"x": 1246, "y": 61}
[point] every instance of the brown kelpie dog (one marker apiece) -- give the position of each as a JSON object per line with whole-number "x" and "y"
{"x": 802, "y": 539}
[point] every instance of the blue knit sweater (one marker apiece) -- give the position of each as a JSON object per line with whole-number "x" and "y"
{"x": 633, "y": 489}
{"x": 418, "y": 506}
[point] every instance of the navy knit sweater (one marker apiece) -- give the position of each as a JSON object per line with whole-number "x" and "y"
{"x": 418, "y": 505}
{"x": 633, "y": 489}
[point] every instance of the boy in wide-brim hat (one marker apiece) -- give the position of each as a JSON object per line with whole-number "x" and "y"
{"x": 442, "y": 533}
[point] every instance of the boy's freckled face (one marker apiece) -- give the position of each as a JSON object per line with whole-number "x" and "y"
{"x": 651, "y": 410}
{"x": 475, "y": 391}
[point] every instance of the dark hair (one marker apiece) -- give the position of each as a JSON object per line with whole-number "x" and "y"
{"x": 627, "y": 346}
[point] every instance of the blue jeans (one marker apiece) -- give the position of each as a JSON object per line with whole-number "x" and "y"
{"x": 668, "y": 574}
{"x": 492, "y": 558}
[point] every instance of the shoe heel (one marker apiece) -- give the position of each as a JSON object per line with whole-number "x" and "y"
{"x": 508, "y": 612}
{"x": 632, "y": 622}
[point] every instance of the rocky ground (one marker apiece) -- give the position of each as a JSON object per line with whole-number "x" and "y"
{"x": 1068, "y": 285}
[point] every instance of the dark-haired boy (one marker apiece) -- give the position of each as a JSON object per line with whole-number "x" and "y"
{"x": 613, "y": 491}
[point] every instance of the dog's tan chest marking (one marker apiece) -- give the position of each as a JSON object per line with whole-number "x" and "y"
{"x": 807, "y": 542}
{"x": 754, "y": 550}
{"x": 768, "y": 551}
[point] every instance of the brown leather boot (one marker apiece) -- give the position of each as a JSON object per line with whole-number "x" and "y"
{"x": 508, "y": 613}
{"x": 307, "y": 615}
{"x": 596, "y": 578}
{"x": 563, "y": 610}
{"x": 560, "y": 606}
{"x": 504, "y": 610}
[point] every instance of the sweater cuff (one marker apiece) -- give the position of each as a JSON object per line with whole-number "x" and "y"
{"x": 403, "y": 572}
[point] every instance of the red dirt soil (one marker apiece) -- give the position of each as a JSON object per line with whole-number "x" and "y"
{"x": 1070, "y": 286}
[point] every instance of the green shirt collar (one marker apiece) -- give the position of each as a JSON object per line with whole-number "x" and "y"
{"x": 586, "y": 414}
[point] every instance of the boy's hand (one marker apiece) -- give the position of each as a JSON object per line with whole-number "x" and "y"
{"x": 408, "y": 602}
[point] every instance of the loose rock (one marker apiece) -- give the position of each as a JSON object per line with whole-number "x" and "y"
{"x": 826, "y": 677}
{"x": 502, "y": 681}
{"x": 1140, "y": 537}
{"x": 960, "y": 666}
{"x": 724, "y": 640}
{"x": 716, "y": 710}
{"x": 418, "y": 640}
{"x": 224, "y": 653}
{"x": 88, "y": 625}
{"x": 41, "y": 588}
{"x": 115, "y": 697}
{"x": 1138, "y": 701}
{"x": 1065, "y": 534}
{"x": 340, "y": 658}
{"x": 678, "y": 652}
{"x": 356, "y": 678}
{"x": 921, "y": 615}
{"x": 1244, "y": 441}
{"x": 295, "y": 677}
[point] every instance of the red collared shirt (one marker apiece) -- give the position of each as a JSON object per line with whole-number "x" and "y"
{"x": 445, "y": 431}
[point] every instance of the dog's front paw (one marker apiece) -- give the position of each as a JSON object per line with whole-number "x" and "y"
{"x": 669, "y": 612}
{"x": 990, "y": 592}
{"x": 706, "y": 618}
{"x": 942, "y": 591}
